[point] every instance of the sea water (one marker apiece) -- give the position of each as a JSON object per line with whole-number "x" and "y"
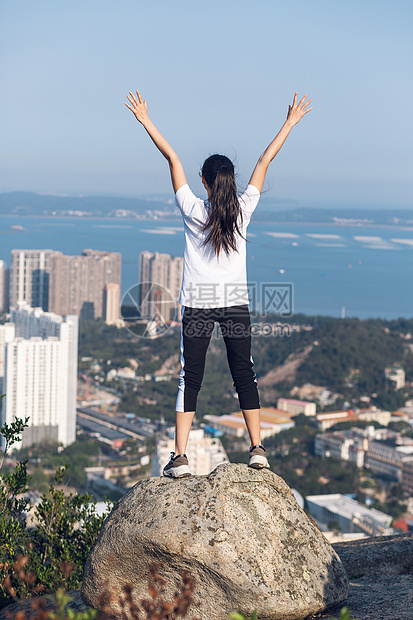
{"x": 334, "y": 270}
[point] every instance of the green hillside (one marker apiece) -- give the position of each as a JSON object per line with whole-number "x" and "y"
{"x": 345, "y": 356}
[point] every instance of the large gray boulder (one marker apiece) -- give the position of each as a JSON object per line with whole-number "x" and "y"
{"x": 240, "y": 533}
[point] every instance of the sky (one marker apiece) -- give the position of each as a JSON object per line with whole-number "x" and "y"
{"x": 218, "y": 77}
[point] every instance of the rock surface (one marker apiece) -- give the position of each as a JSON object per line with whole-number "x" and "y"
{"x": 239, "y": 532}
{"x": 382, "y": 597}
{"x": 381, "y": 578}
{"x": 383, "y": 555}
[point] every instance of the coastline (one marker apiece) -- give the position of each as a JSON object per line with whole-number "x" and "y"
{"x": 178, "y": 218}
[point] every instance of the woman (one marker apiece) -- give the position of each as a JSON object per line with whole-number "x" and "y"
{"x": 214, "y": 285}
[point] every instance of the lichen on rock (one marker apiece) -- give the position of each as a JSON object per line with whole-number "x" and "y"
{"x": 240, "y": 533}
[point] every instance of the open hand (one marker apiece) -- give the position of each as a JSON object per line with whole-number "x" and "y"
{"x": 297, "y": 111}
{"x": 138, "y": 107}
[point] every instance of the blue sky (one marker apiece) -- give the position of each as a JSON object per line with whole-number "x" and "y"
{"x": 218, "y": 77}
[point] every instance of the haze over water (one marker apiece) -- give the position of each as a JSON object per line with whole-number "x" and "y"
{"x": 366, "y": 270}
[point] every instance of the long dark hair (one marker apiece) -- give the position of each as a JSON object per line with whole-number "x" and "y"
{"x": 224, "y": 208}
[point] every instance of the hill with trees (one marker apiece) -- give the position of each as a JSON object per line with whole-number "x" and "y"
{"x": 344, "y": 356}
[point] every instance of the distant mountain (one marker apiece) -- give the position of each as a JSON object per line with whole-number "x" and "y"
{"x": 270, "y": 209}
{"x": 30, "y": 203}
{"x": 338, "y": 215}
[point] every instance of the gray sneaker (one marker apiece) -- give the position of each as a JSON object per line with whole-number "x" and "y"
{"x": 177, "y": 467}
{"x": 258, "y": 460}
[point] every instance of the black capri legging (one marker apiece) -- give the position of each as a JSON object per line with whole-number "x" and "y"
{"x": 196, "y": 330}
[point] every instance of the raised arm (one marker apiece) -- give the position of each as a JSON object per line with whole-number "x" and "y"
{"x": 295, "y": 114}
{"x": 140, "y": 110}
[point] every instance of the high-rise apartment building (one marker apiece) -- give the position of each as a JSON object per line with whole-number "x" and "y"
{"x": 61, "y": 285}
{"x": 40, "y": 374}
{"x": 64, "y": 284}
{"x": 4, "y": 287}
{"x": 77, "y": 283}
{"x": 7, "y": 334}
{"x": 160, "y": 277}
{"x": 111, "y": 303}
{"x": 29, "y": 277}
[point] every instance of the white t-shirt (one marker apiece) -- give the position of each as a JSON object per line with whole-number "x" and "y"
{"x": 211, "y": 281}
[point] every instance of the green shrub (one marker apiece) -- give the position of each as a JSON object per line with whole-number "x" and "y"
{"x": 345, "y": 614}
{"x": 55, "y": 537}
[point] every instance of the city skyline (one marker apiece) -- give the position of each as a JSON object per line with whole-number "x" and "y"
{"x": 217, "y": 78}
{"x": 65, "y": 285}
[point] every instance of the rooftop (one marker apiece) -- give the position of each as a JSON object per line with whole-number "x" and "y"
{"x": 270, "y": 415}
{"x": 235, "y": 421}
{"x": 348, "y": 508}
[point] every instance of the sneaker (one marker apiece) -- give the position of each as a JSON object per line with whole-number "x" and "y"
{"x": 177, "y": 467}
{"x": 258, "y": 460}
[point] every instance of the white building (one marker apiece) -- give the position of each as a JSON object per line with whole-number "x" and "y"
{"x": 126, "y": 373}
{"x": 396, "y": 375}
{"x": 4, "y": 287}
{"x": 407, "y": 475}
{"x": 350, "y": 445}
{"x": 296, "y": 407}
{"x": 7, "y": 334}
{"x": 381, "y": 450}
{"x": 349, "y": 515}
{"x": 40, "y": 374}
{"x": 204, "y": 453}
{"x": 330, "y": 418}
{"x": 374, "y": 415}
{"x": 386, "y": 458}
